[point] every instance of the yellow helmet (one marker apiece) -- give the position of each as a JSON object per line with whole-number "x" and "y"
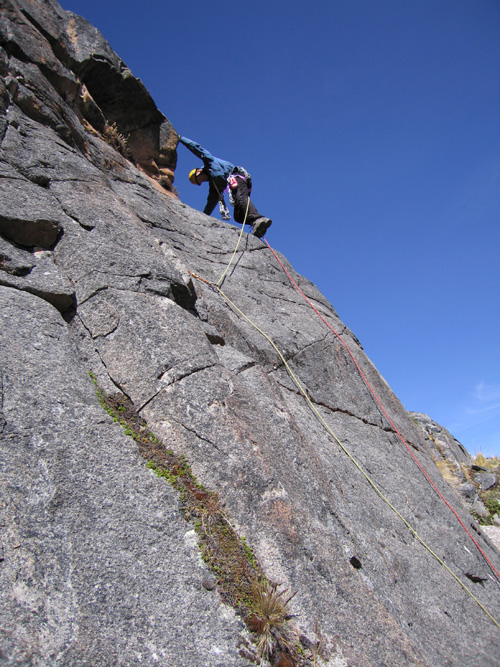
{"x": 193, "y": 174}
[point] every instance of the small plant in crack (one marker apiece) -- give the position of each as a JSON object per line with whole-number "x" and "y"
{"x": 115, "y": 139}
{"x": 240, "y": 579}
{"x": 270, "y": 619}
{"x": 316, "y": 650}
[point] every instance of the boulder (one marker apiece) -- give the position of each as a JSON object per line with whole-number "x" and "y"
{"x": 485, "y": 480}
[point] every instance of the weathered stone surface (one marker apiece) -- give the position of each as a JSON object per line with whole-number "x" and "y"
{"x": 455, "y": 464}
{"x": 13, "y": 260}
{"x": 121, "y": 97}
{"x": 45, "y": 280}
{"x": 28, "y": 214}
{"x": 98, "y": 566}
{"x": 62, "y": 71}
{"x": 493, "y": 533}
{"x": 485, "y": 480}
{"x": 20, "y": 36}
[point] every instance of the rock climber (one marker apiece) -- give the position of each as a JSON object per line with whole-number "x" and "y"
{"x": 220, "y": 174}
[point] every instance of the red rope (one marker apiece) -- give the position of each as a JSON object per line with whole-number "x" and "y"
{"x": 385, "y": 413}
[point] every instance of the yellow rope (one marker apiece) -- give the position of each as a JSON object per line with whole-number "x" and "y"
{"x": 219, "y": 282}
{"x": 323, "y": 422}
{"x": 358, "y": 466}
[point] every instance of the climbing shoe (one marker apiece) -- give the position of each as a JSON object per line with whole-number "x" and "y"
{"x": 260, "y": 227}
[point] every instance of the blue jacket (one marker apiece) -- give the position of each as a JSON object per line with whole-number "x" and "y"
{"x": 217, "y": 170}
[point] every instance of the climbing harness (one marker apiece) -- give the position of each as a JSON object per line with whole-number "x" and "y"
{"x": 240, "y": 172}
{"x": 216, "y": 288}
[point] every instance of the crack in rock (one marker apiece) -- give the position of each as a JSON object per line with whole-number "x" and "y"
{"x": 174, "y": 380}
{"x": 332, "y": 409}
{"x": 193, "y": 431}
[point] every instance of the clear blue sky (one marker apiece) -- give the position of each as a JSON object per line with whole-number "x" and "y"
{"x": 372, "y": 131}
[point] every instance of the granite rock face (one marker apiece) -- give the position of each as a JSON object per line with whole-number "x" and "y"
{"x": 61, "y": 72}
{"x": 96, "y": 274}
{"x": 97, "y": 564}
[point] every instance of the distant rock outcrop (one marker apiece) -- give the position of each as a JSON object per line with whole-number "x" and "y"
{"x": 444, "y": 444}
{"x": 456, "y": 464}
{"x": 98, "y": 266}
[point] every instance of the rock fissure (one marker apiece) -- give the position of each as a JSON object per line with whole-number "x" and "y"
{"x": 227, "y": 252}
{"x": 149, "y": 400}
{"x": 173, "y": 381}
{"x": 114, "y": 382}
{"x": 312, "y": 344}
{"x": 49, "y": 297}
{"x": 303, "y": 304}
{"x": 93, "y": 294}
{"x": 183, "y": 376}
{"x": 237, "y": 574}
{"x": 194, "y": 432}
{"x": 280, "y": 297}
{"x": 245, "y": 367}
{"x": 3, "y": 130}
{"x": 333, "y": 409}
{"x": 38, "y": 27}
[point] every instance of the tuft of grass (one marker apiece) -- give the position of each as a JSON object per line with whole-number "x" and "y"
{"x": 240, "y": 579}
{"x": 491, "y": 462}
{"x": 270, "y": 616}
{"x": 115, "y": 139}
{"x": 447, "y": 472}
{"x": 492, "y": 503}
{"x": 490, "y": 497}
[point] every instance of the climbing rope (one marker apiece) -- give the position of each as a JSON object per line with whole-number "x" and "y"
{"x": 353, "y": 460}
{"x": 217, "y": 289}
{"x": 219, "y": 282}
{"x": 385, "y": 413}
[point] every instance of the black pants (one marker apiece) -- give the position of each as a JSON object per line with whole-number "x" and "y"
{"x": 240, "y": 196}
